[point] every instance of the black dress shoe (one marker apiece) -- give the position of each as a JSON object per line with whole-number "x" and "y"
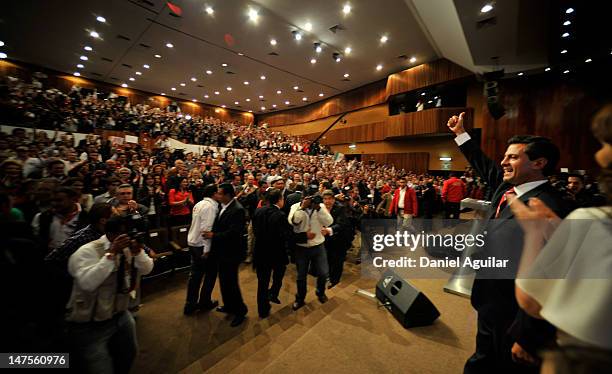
{"x": 322, "y": 298}
{"x": 223, "y": 309}
{"x": 212, "y": 304}
{"x": 237, "y": 320}
{"x": 275, "y": 300}
{"x": 264, "y": 314}
{"x": 189, "y": 309}
{"x": 298, "y": 304}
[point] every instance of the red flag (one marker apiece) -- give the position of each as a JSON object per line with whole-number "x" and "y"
{"x": 175, "y": 8}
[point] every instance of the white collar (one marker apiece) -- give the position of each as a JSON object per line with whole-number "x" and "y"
{"x": 223, "y": 206}
{"x": 522, "y": 189}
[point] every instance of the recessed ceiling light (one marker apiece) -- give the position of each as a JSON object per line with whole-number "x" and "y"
{"x": 146, "y": 66}
{"x": 194, "y": 100}
{"x": 520, "y": 74}
{"x": 224, "y": 65}
{"x": 261, "y": 96}
{"x": 157, "y": 56}
{"x": 588, "y": 60}
{"x": 223, "y": 106}
{"x": 138, "y": 73}
{"x": 566, "y": 71}
{"x": 346, "y": 75}
{"x": 94, "y": 34}
{"x": 297, "y": 35}
{"x": 169, "y": 45}
{"x": 250, "y": 111}
{"x": 486, "y": 9}
{"x": 384, "y": 38}
{"x": 173, "y": 88}
{"x": 308, "y": 26}
{"x": 216, "y": 92}
{"x": 209, "y": 10}
{"x": 296, "y": 88}
{"x": 279, "y": 92}
{"x": 567, "y": 23}
{"x": 206, "y": 96}
{"x": 263, "y": 77}
{"x": 313, "y": 60}
{"x": 337, "y": 56}
{"x": 124, "y": 85}
{"x": 379, "y": 67}
{"x": 236, "y": 102}
{"x": 240, "y": 54}
{"x": 569, "y": 10}
{"x": 287, "y": 103}
{"x": 347, "y": 50}
{"x": 346, "y": 9}
{"x": 163, "y": 94}
{"x": 413, "y": 59}
{"x": 132, "y": 79}
{"x": 423, "y": 93}
{"x": 547, "y": 69}
{"x": 3, "y": 55}
{"x": 263, "y": 108}
{"x": 228, "y": 88}
{"x": 1, "y": 43}
{"x": 247, "y": 100}
{"x": 80, "y": 66}
{"x": 565, "y": 35}
{"x": 84, "y": 58}
{"x": 246, "y": 83}
{"x": 321, "y": 94}
{"x": 318, "y": 47}
{"x": 273, "y": 41}
{"x": 100, "y": 19}
{"x": 88, "y": 48}
{"x": 194, "y": 79}
{"x": 564, "y": 51}
{"x": 304, "y": 99}
{"x": 182, "y": 84}
{"x": 253, "y": 14}
{"x": 208, "y": 72}
{"x": 76, "y": 74}
{"x": 273, "y": 105}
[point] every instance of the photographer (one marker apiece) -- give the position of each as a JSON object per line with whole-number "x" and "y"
{"x": 310, "y": 216}
{"x": 106, "y": 273}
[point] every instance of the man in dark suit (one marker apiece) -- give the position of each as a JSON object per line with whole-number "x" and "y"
{"x": 507, "y": 340}
{"x": 229, "y": 246}
{"x": 337, "y": 237}
{"x": 294, "y": 197}
{"x": 273, "y": 238}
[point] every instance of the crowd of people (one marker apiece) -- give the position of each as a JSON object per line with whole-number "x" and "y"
{"x": 76, "y": 214}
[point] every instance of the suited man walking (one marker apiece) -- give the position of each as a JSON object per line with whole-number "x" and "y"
{"x": 507, "y": 340}
{"x": 273, "y": 238}
{"x": 229, "y": 246}
{"x": 338, "y": 237}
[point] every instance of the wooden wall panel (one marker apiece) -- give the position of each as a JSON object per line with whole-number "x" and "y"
{"x": 415, "y": 161}
{"x": 429, "y": 121}
{"x": 425, "y": 75}
{"x": 65, "y": 82}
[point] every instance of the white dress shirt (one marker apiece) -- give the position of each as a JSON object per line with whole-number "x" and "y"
{"x": 204, "y": 214}
{"x": 402, "y": 196}
{"x": 309, "y": 220}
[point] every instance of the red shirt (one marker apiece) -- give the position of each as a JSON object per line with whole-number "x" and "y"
{"x": 182, "y": 209}
{"x": 411, "y": 204}
{"x": 453, "y": 190}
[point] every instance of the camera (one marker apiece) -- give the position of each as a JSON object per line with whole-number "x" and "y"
{"x": 134, "y": 225}
{"x": 317, "y": 199}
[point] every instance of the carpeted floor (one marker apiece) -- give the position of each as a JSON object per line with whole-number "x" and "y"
{"x": 348, "y": 334}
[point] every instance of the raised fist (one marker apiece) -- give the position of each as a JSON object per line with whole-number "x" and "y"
{"x": 455, "y": 124}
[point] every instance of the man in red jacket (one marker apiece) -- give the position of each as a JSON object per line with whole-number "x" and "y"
{"x": 453, "y": 191}
{"x": 404, "y": 204}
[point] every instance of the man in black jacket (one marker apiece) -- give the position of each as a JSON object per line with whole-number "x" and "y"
{"x": 338, "y": 237}
{"x": 229, "y": 246}
{"x": 507, "y": 340}
{"x": 273, "y": 238}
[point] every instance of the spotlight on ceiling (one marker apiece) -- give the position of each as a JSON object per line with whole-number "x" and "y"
{"x": 379, "y": 67}
{"x": 169, "y": 45}
{"x": 1, "y": 43}
{"x": 224, "y": 65}
{"x": 564, "y": 51}
{"x": 145, "y": 66}
{"x": 588, "y": 60}
{"x": 272, "y": 41}
{"x": 138, "y": 73}
{"x": 163, "y": 94}
{"x": 253, "y": 14}
{"x": 76, "y": 74}
{"x": 313, "y": 60}
{"x": 384, "y": 38}
{"x": 193, "y": 79}
{"x": 3, "y": 55}
{"x": 308, "y": 26}
{"x": 321, "y": 94}
{"x": 124, "y": 85}
{"x": 83, "y": 58}
{"x": 296, "y": 35}
{"x": 337, "y": 56}
{"x": 236, "y": 102}
{"x": 209, "y": 10}
{"x": 228, "y": 88}
{"x": 273, "y": 105}
{"x": 347, "y": 50}
{"x": 100, "y": 19}
{"x": 209, "y": 72}
{"x": 80, "y": 66}
{"x": 567, "y": 23}
{"x": 569, "y": 11}
{"x": 261, "y": 96}
{"x": 216, "y": 92}
{"x": 263, "y": 77}
{"x": 296, "y": 88}
{"x": 486, "y": 8}
{"x": 263, "y": 108}
{"x": 565, "y": 35}
{"x": 182, "y": 84}
{"x": 287, "y": 103}
{"x": 246, "y": 83}
{"x": 279, "y": 92}
{"x": 88, "y": 48}
{"x": 247, "y": 100}
{"x": 157, "y": 56}
{"x": 346, "y": 75}
{"x": 94, "y": 34}
{"x": 304, "y": 99}
{"x": 173, "y": 88}
{"x": 318, "y": 48}
{"x": 566, "y": 71}
{"x": 346, "y": 9}
{"x": 132, "y": 79}
{"x": 520, "y": 74}
{"x": 206, "y": 96}
{"x": 547, "y": 69}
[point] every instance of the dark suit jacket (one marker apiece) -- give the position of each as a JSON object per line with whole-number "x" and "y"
{"x": 341, "y": 228}
{"x": 229, "y": 242}
{"x": 291, "y": 199}
{"x": 273, "y": 236}
{"x": 494, "y": 298}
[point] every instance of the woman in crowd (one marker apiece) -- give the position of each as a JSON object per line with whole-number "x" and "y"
{"x": 567, "y": 281}
{"x": 152, "y": 197}
{"x": 181, "y": 202}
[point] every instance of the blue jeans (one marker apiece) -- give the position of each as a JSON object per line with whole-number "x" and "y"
{"x": 105, "y": 347}
{"x": 304, "y": 257}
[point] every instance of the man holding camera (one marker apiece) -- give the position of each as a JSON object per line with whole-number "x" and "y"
{"x": 310, "y": 216}
{"x": 106, "y": 276}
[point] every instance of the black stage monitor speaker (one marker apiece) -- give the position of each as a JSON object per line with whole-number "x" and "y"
{"x": 407, "y": 304}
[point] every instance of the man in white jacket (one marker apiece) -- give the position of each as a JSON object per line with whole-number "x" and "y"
{"x": 310, "y": 217}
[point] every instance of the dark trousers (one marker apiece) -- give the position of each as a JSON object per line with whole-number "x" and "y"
{"x": 335, "y": 259}
{"x": 230, "y": 288}
{"x": 179, "y": 220}
{"x": 304, "y": 257}
{"x": 451, "y": 210}
{"x": 264, "y": 273}
{"x": 201, "y": 268}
